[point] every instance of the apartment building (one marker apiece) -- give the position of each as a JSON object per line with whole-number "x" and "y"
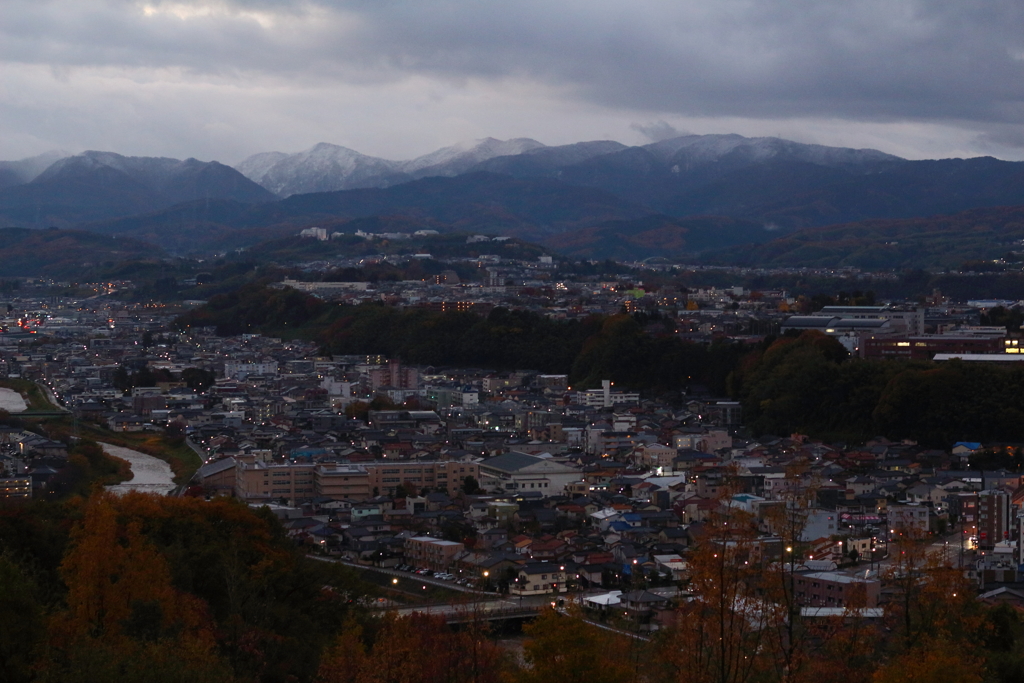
{"x": 297, "y": 482}
{"x": 263, "y": 482}
{"x": 446, "y": 475}
{"x": 835, "y": 589}
{"x": 432, "y": 553}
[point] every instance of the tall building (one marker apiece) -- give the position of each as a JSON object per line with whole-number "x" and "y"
{"x": 393, "y": 374}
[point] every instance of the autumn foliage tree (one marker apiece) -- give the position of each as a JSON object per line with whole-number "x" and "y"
{"x": 418, "y": 648}
{"x": 564, "y": 648}
{"x": 125, "y": 620}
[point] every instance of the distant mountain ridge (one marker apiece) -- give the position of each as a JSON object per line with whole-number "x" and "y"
{"x": 101, "y": 185}
{"x": 650, "y": 174}
{"x": 941, "y": 241}
{"x": 685, "y": 197}
{"x": 25, "y": 170}
{"x": 328, "y": 168}
{"x": 531, "y": 208}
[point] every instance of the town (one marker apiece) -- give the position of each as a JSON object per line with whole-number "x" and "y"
{"x": 516, "y": 482}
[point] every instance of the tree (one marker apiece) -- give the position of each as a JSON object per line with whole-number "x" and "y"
{"x": 124, "y": 618}
{"x": 197, "y": 379}
{"x": 345, "y": 661}
{"x": 470, "y": 485}
{"x": 564, "y": 648}
{"x": 934, "y": 661}
{"x": 21, "y": 622}
{"x": 120, "y": 379}
{"x": 719, "y": 636}
{"x": 357, "y": 410}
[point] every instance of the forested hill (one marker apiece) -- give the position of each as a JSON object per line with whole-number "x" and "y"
{"x": 944, "y": 241}
{"x": 640, "y": 351}
{"x": 807, "y": 384}
{"x": 65, "y": 253}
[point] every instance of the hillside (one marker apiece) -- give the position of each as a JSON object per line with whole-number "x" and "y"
{"x": 658, "y": 236}
{"x": 529, "y": 209}
{"x": 64, "y": 253}
{"x": 678, "y": 198}
{"x": 102, "y": 185}
{"x": 943, "y": 241}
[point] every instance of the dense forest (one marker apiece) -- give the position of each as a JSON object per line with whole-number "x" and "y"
{"x": 640, "y": 351}
{"x": 147, "y": 588}
{"x": 808, "y": 385}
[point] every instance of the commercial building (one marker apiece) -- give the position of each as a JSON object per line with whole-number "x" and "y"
{"x": 519, "y": 472}
{"x": 924, "y": 347}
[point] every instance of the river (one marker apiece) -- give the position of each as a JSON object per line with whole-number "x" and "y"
{"x": 11, "y": 401}
{"x": 149, "y": 474}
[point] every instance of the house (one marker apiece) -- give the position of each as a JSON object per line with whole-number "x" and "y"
{"x": 639, "y": 604}
{"x": 126, "y": 423}
{"x": 539, "y": 578}
{"x": 612, "y": 599}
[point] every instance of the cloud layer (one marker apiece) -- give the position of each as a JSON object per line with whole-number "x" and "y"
{"x": 225, "y": 78}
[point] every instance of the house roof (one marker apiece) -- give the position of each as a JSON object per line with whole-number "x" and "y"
{"x": 215, "y": 467}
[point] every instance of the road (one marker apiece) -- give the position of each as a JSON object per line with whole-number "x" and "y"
{"x": 426, "y": 580}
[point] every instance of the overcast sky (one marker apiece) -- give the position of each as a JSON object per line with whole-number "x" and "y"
{"x": 223, "y": 79}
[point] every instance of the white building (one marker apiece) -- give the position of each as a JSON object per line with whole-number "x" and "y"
{"x": 519, "y": 473}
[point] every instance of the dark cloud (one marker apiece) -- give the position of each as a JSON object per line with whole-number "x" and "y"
{"x": 658, "y": 130}
{"x": 1003, "y": 137}
{"x": 955, "y": 62}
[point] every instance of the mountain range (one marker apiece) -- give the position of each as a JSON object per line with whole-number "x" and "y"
{"x": 327, "y": 168}
{"x": 679, "y": 198}
{"x": 102, "y": 185}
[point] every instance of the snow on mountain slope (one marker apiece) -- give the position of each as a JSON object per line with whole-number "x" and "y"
{"x": 461, "y": 157}
{"x": 322, "y": 168}
{"x": 256, "y": 167}
{"x": 326, "y": 167}
{"x": 697, "y": 149}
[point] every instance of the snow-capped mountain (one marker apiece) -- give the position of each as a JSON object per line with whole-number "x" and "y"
{"x": 174, "y": 180}
{"x": 326, "y": 167}
{"x": 322, "y": 168}
{"x": 450, "y": 161}
{"x": 102, "y": 185}
{"x": 700, "y": 149}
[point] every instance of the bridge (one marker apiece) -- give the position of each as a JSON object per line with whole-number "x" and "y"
{"x": 505, "y": 611}
{"x": 467, "y": 612}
